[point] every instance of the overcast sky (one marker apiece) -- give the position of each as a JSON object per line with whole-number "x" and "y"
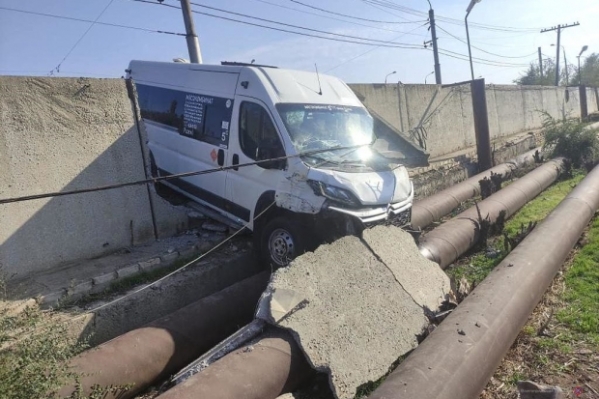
{"x": 35, "y": 45}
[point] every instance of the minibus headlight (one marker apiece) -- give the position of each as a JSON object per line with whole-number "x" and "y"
{"x": 333, "y": 193}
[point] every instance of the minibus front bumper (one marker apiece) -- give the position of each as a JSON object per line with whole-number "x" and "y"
{"x": 369, "y": 215}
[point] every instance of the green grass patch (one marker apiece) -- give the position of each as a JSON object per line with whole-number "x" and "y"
{"x": 479, "y": 265}
{"x": 581, "y": 314}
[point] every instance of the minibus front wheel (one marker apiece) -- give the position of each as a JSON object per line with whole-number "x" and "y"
{"x": 281, "y": 240}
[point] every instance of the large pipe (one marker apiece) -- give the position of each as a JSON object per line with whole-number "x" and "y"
{"x": 265, "y": 369}
{"x": 455, "y": 237}
{"x": 433, "y": 208}
{"x": 460, "y": 356}
{"x": 148, "y": 354}
{"x": 265, "y": 374}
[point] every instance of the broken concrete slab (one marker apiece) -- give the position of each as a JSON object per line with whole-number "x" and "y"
{"x": 423, "y": 279}
{"x": 347, "y": 310}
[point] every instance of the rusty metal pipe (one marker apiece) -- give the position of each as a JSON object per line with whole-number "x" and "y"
{"x": 433, "y": 208}
{"x": 163, "y": 347}
{"x": 270, "y": 366}
{"x": 449, "y": 364}
{"x": 455, "y": 237}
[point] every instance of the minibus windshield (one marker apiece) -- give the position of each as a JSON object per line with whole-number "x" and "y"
{"x": 314, "y": 127}
{"x": 324, "y": 126}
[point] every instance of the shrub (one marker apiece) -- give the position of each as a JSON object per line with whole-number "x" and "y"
{"x": 570, "y": 139}
{"x": 34, "y": 352}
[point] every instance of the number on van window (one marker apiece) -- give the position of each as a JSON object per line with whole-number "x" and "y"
{"x": 256, "y": 127}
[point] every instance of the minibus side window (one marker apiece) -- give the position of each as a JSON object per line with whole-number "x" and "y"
{"x": 256, "y": 127}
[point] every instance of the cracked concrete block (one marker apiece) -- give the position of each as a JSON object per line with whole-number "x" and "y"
{"x": 349, "y": 314}
{"x": 149, "y": 264}
{"x": 168, "y": 258}
{"x": 128, "y": 271}
{"x": 421, "y": 278}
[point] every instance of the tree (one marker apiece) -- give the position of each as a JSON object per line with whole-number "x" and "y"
{"x": 590, "y": 71}
{"x": 532, "y": 76}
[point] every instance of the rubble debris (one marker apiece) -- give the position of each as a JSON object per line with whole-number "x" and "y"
{"x": 532, "y": 390}
{"x": 214, "y": 226}
{"x": 341, "y": 302}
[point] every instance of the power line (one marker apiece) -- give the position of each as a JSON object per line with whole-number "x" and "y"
{"x": 334, "y": 18}
{"x": 169, "y": 177}
{"x": 390, "y": 5}
{"x": 485, "y": 51}
{"x": 368, "y": 51}
{"x": 295, "y": 26}
{"x": 351, "y": 16}
{"x": 481, "y": 61}
{"x": 57, "y": 68}
{"x": 41, "y": 14}
{"x": 364, "y": 41}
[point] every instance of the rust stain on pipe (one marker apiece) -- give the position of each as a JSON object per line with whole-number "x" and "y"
{"x": 433, "y": 208}
{"x": 455, "y": 237}
{"x": 161, "y": 348}
{"x": 450, "y": 365}
{"x": 262, "y": 370}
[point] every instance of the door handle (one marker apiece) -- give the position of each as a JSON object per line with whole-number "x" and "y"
{"x": 221, "y": 157}
{"x": 235, "y": 161}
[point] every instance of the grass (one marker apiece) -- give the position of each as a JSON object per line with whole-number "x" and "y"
{"x": 477, "y": 266}
{"x": 581, "y": 315}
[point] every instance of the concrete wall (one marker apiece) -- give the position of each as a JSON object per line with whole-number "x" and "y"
{"x": 60, "y": 134}
{"x": 441, "y": 120}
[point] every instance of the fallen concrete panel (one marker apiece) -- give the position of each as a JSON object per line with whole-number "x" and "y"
{"x": 422, "y": 279}
{"x": 343, "y": 301}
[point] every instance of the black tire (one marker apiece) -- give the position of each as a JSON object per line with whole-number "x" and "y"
{"x": 280, "y": 241}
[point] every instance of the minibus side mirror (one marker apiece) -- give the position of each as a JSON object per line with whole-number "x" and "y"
{"x": 269, "y": 149}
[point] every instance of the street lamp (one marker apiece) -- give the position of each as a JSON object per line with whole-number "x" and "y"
{"x": 428, "y": 76}
{"x": 389, "y": 74}
{"x": 584, "y": 48}
{"x": 470, "y": 7}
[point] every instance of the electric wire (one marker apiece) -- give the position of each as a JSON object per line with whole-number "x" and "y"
{"x": 351, "y": 16}
{"x": 295, "y": 26}
{"x": 170, "y": 177}
{"x": 485, "y": 51}
{"x": 41, "y": 14}
{"x": 334, "y": 18}
{"x": 369, "y": 51}
{"x": 393, "y": 6}
{"x": 363, "y": 41}
{"x": 178, "y": 270}
{"x": 57, "y": 68}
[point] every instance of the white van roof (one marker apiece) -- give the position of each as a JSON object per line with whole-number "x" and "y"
{"x": 282, "y": 85}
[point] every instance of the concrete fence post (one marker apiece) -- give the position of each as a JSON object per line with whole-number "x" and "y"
{"x": 584, "y": 110}
{"x": 481, "y": 124}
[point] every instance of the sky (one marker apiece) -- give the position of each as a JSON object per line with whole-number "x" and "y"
{"x": 37, "y": 45}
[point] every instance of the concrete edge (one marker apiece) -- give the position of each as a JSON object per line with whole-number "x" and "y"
{"x": 98, "y": 283}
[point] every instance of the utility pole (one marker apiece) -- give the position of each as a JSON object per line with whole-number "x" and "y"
{"x": 193, "y": 44}
{"x": 566, "y": 68}
{"x": 559, "y": 36}
{"x": 541, "y": 65}
{"x": 431, "y": 17}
